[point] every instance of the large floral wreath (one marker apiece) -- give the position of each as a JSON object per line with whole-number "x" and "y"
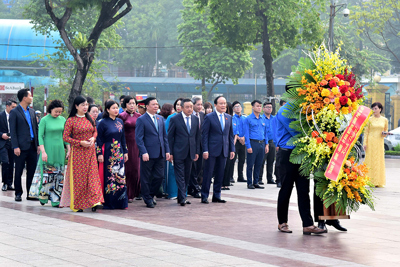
{"x": 323, "y": 96}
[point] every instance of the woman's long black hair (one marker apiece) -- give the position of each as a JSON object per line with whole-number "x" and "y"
{"x": 77, "y": 101}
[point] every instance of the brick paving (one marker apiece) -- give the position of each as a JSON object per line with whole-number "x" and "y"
{"x": 242, "y": 232}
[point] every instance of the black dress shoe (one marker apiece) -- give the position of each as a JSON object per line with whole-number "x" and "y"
{"x": 188, "y": 202}
{"x": 197, "y": 195}
{"x": 154, "y": 201}
{"x": 250, "y": 186}
{"x": 271, "y": 182}
{"x": 257, "y": 186}
{"x": 279, "y": 185}
{"x": 242, "y": 180}
{"x": 138, "y": 198}
{"x": 4, "y": 187}
{"x": 18, "y": 198}
{"x": 218, "y": 200}
{"x": 10, "y": 187}
{"x": 183, "y": 203}
{"x": 321, "y": 225}
{"x": 336, "y": 224}
{"x": 32, "y": 199}
{"x": 232, "y": 181}
{"x": 261, "y": 183}
{"x": 205, "y": 201}
{"x": 150, "y": 205}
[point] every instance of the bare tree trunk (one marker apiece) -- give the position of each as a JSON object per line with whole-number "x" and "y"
{"x": 267, "y": 56}
{"x": 217, "y": 81}
{"x": 203, "y": 89}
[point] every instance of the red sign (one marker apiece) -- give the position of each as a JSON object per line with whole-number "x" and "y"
{"x": 346, "y": 142}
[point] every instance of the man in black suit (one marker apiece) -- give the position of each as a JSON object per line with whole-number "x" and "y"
{"x": 196, "y": 174}
{"x": 152, "y": 141}
{"x": 6, "y": 151}
{"x": 218, "y": 145}
{"x": 184, "y": 144}
{"x": 24, "y": 141}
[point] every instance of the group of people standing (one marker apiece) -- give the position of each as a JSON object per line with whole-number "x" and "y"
{"x": 138, "y": 152}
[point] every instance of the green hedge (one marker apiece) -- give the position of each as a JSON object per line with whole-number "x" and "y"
{"x": 391, "y": 152}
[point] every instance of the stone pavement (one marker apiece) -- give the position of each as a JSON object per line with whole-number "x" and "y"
{"x": 242, "y": 232}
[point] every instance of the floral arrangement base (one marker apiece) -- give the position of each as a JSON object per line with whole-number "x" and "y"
{"x": 331, "y": 214}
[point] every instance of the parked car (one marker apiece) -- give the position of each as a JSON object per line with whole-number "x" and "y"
{"x": 387, "y": 144}
{"x": 395, "y": 138}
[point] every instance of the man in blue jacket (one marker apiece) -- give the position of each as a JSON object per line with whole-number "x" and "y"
{"x": 217, "y": 140}
{"x": 152, "y": 141}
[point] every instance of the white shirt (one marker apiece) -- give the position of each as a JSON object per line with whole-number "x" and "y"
{"x": 197, "y": 114}
{"x": 184, "y": 119}
{"x": 8, "y": 117}
{"x": 152, "y": 117}
{"x": 219, "y": 118}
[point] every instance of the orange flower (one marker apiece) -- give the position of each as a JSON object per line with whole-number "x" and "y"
{"x": 347, "y": 83}
{"x": 328, "y": 77}
{"x": 336, "y": 140}
{"x": 348, "y": 94}
{"x": 329, "y": 136}
{"x": 319, "y": 140}
{"x": 336, "y": 79}
{"x": 323, "y": 82}
{"x": 315, "y": 134}
{"x": 327, "y": 100}
{"x": 330, "y": 144}
{"x": 347, "y": 171}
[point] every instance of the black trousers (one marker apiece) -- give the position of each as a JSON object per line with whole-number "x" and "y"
{"x": 290, "y": 175}
{"x": 277, "y": 168}
{"x": 196, "y": 176}
{"x": 269, "y": 158}
{"x": 7, "y": 168}
{"x": 29, "y": 157}
{"x": 228, "y": 172}
{"x": 318, "y": 206}
{"x": 182, "y": 168}
{"x": 151, "y": 177}
{"x": 241, "y": 154}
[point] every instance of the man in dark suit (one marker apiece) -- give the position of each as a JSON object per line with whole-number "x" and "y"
{"x": 6, "y": 151}
{"x": 24, "y": 141}
{"x": 152, "y": 141}
{"x": 196, "y": 174}
{"x": 217, "y": 139}
{"x": 184, "y": 143}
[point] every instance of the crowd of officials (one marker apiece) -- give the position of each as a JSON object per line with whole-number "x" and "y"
{"x": 140, "y": 151}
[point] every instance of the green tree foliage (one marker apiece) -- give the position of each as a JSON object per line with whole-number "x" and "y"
{"x": 204, "y": 60}
{"x": 379, "y": 21}
{"x": 275, "y": 24}
{"x": 148, "y": 29}
{"x": 80, "y": 22}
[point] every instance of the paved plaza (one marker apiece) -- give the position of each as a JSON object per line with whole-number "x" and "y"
{"x": 242, "y": 232}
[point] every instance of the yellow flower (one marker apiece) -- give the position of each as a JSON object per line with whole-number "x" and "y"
{"x": 325, "y": 92}
{"x": 354, "y": 105}
{"x": 340, "y": 83}
{"x": 345, "y": 110}
{"x": 337, "y": 100}
{"x": 349, "y": 102}
{"x": 335, "y": 90}
{"x": 331, "y": 107}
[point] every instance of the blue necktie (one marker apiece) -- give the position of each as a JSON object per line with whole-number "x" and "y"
{"x": 187, "y": 124}
{"x": 155, "y": 122}
{"x": 221, "y": 120}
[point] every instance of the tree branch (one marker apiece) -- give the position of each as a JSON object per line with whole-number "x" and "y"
{"x": 390, "y": 50}
{"x": 60, "y": 24}
{"x": 120, "y": 15}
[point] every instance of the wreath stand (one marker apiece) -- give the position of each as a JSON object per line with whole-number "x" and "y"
{"x": 331, "y": 214}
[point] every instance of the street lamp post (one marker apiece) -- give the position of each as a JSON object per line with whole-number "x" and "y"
{"x": 332, "y": 15}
